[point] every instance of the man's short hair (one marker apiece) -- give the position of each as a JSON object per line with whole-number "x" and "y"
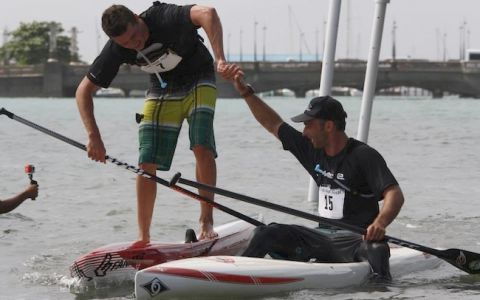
{"x": 115, "y": 20}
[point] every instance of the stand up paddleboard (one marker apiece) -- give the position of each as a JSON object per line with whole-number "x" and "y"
{"x": 229, "y": 276}
{"x": 118, "y": 262}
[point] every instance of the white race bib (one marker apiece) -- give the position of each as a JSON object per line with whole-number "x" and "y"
{"x": 330, "y": 202}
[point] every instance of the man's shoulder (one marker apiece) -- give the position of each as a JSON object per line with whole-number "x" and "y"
{"x": 356, "y": 146}
{"x": 156, "y": 7}
{"x": 363, "y": 153}
{"x": 113, "y": 51}
{"x": 286, "y": 130}
{"x": 166, "y": 13}
{"x": 292, "y": 139}
{"x": 105, "y": 66}
{"x": 358, "y": 151}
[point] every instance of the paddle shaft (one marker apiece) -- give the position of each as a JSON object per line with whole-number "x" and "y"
{"x": 133, "y": 169}
{"x": 462, "y": 259}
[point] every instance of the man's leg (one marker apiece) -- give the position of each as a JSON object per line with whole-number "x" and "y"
{"x": 158, "y": 134}
{"x": 206, "y": 172}
{"x": 200, "y": 105}
{"x": 290, "y": 242}
{"x": 268, "y": 240}
{"x": 378, "y": 255}
{"x": 146, "y": 193}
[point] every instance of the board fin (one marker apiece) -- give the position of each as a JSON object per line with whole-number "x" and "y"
{"x": 190, "y": 236}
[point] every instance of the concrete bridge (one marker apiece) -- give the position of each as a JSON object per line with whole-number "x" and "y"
{"x": 455, "y": 77}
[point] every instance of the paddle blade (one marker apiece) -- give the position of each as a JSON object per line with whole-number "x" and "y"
{"x": 462, "y": 259}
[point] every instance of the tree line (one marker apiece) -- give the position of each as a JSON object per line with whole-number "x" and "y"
{"x": 30, "y": 44}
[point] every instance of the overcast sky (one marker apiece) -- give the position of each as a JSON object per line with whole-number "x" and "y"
{"x": 422, "y": 25}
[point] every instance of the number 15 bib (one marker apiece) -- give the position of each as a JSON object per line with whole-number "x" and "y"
{"x": 330, "y": 202}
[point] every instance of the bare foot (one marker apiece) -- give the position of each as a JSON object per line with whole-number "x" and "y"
{"x": 139, "y": 244}
{"x": 207, "y": 232}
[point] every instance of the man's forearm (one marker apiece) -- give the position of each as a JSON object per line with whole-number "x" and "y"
{"x": 85, "y": 107}
{"x": 264, "y": 114}
{"x": 393, "y": 202}
{"x": 12, "y": 203}
{"x": 86, "y": 113}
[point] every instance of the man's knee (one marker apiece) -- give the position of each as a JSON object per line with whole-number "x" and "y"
{"x": 379, "y": 248}
{"x": 263, "y": 240}
{"x": 202, "y": 152}
{"x": 260, "y": 232}
{"x": 270, "y": 237}
{"x": 378, "y": 251}
{"x": 149, "y": 167}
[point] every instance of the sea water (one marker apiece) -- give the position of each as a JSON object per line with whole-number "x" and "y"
{"x": 431, "y": 145}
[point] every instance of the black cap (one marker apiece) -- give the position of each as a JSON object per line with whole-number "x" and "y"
{"x": 325, "y": 108}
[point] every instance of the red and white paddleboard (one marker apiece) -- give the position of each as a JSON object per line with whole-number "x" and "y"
{"x": 119, "y": 262}
{"x": 230, "y": 276}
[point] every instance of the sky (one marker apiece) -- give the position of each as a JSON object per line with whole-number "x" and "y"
{"x": 425, "y": 29}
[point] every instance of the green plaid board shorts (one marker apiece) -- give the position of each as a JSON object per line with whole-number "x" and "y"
{"x": 162, "y": 122}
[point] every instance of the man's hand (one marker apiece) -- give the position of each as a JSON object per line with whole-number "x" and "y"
{"x": 375, "y": 232}
{"x": 31, "y": 192}
{"x": 95, "y": 149}
{"x": 228, "y": 71}
{"x": 238, "y": 82}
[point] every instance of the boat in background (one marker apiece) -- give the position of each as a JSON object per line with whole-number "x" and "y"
{"x": 229, "y": 276}
{"x": 117, "y": 263}
{"x": 110, "y": 93}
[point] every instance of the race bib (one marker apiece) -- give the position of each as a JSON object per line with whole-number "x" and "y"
{"x": 330, "y": 202}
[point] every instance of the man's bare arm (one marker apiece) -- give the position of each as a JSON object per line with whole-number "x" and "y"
{"x": 84, "y": 97}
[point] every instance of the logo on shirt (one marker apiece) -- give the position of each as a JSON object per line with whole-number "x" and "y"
{"x": 329, "y": 175}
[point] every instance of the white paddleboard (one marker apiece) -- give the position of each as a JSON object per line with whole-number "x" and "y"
{"x": 223, "y": 276}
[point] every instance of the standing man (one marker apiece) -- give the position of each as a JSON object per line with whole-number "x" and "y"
{"x": 30, "y": 192}
{"x": 352, "y": 179}
{"x": 164, "y": 42}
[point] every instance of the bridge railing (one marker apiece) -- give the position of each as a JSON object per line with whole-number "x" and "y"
{"x": 461, "y": 77}
{"x": 21, "y": 71}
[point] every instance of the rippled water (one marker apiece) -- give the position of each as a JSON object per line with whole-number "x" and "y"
{"x": 432, "y": 146}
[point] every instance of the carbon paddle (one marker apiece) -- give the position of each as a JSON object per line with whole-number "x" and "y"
{"x": 464, "y": 260}
{"x": 134, "y": 169}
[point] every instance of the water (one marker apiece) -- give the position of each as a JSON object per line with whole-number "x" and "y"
{"x": 432, "y": 146}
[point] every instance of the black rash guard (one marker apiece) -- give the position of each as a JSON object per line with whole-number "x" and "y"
{"x": 171, "y": 26}
{"x": 358, "y": 166}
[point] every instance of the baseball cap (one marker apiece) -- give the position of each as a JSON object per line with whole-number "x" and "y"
{"x": 325, "y": 108}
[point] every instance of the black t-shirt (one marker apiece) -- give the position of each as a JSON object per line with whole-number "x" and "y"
{"x": 358, "y": 167}
{"x": 171, "y": 26}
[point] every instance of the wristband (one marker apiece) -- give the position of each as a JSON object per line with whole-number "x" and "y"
{"x": 250, "y": 91}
